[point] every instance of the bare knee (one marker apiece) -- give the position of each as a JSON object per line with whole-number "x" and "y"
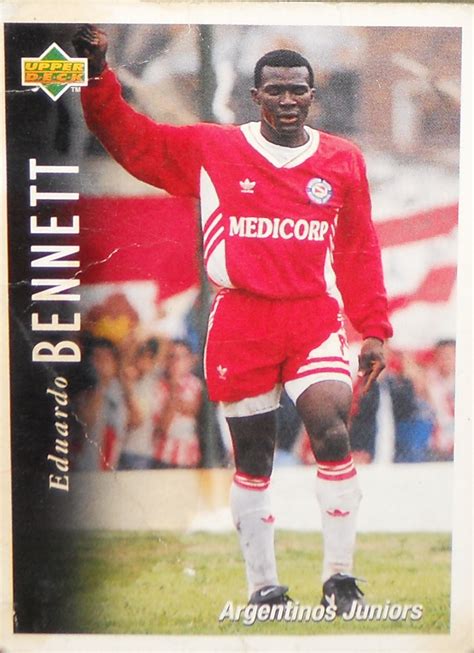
{"x": 324, "y": 408}
{"x": 331, "y": 443}
{"x": 253, "y": 440}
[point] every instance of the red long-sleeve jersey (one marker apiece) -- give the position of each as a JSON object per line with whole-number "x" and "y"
{"x": 277, "y": 222}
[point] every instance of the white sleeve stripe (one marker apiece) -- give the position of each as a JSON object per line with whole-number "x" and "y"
{"x": 218, "y": 233}
{"x": 208, "y": 230}
{"x": 216, "y": 264}
{"x": 209, "y": 198}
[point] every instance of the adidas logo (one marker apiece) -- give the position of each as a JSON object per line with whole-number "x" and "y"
{"x": 222, "y": 372}
{"x": 268, "y": 520}
{"x": 337, "y": 513}
{"x": 247, "y": 186}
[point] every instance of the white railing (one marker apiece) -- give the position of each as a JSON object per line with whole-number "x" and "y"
{"x": 397, "y": 498}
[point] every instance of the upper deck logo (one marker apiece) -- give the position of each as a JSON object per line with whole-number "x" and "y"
{"x": 319, "y": 190}
{"x": 54, "y": 71}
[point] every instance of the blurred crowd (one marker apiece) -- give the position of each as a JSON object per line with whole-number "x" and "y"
{"x": 408, "y": 415}
{"x": 142, "y": 406}
{"x": 142, "y": 401}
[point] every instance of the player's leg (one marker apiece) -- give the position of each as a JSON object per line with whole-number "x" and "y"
{"x": 253, "y": 439}
{"x": 324, "y": 408}
{"x": 319, "y": 384}
{"x": 242, "y": 371}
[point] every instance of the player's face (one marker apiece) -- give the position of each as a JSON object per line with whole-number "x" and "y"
{"x": 284, "y": 97}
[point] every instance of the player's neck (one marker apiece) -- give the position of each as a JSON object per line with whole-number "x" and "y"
{"x": 292, "y": 139}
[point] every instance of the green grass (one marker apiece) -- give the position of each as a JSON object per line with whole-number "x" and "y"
{"x": 162, "y": 583}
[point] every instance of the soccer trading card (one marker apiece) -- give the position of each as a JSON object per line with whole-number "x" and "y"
{"x": 236, "y": 369}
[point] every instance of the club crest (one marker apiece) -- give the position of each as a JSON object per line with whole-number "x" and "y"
{"x": 319, "y": 190}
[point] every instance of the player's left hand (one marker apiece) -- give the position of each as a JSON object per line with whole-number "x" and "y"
{"x": 371, "y": 361}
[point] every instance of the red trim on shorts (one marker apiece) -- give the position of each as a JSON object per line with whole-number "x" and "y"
{"x": 322, "y": 370}
{"x": 330, "y": 359}
{"x": 250, "y": 482}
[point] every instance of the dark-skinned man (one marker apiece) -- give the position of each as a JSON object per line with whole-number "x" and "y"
{"x": 288, "y": 236}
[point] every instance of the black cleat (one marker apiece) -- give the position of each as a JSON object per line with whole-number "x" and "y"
{"x": 340, "y": 591}
{"x": 270, "y": 595}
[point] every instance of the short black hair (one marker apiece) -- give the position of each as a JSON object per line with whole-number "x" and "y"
{"x": 281, "y": 59}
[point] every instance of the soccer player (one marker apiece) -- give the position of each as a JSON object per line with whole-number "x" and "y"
{"x": 288, "y": 236}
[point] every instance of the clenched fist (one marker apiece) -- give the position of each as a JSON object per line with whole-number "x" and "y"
{"x": 91, "y": 42}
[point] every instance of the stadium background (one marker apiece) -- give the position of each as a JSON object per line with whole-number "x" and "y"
{"x": 381, "y": 87}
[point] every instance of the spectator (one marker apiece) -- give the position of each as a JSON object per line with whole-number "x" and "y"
{"x": 363, "y": 424}
{"x": 393, "y": 422}
{"x": 100, "y": 408}
{"x": 140, "y": 378}
{"x": 440, "y": 389}
{"x": 177, "y": 436}
{"x": 412, "y": 413}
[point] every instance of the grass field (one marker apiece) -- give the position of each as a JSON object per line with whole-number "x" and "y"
{"x": 162, "y": 583}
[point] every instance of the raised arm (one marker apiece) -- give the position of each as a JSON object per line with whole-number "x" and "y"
{"x": 166, "y": 156}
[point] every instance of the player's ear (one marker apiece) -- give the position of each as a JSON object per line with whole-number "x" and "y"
{"x": 255, "y": 95}
{"x": 313, "y": 93}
